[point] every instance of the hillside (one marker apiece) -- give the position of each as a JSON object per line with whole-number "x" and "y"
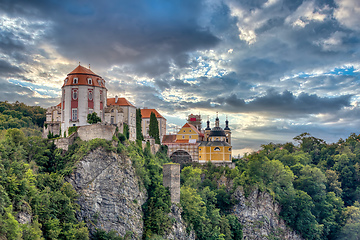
{"x": 46, "y": 193}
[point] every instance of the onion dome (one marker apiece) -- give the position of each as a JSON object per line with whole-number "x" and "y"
{"x": 227, "y": 125}
{"x": 208, "y": 125}
{"x": 217, "y": 132}
{"x": 84, "y": 76}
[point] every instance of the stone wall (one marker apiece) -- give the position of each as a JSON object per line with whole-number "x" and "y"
{"x": 64, "y": 143}
{"x": 171, "y": 179}
{"x": 93, "y": 131}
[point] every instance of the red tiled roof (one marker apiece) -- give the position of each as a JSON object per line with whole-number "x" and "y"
{"x": 192, "y": 127}
{"x": 145, "y": 113}
{"x": 59, "y": 105}
{"x": 169, "y": 139}
{"x": 120, "y": 102}
{"x": 82, "y": 74}
{"x": 82, "y": 70}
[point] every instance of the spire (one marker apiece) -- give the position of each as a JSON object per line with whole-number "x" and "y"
{"x": 217, "y": 124}
{"x": 227, "y": 124}
{"x": 208, "y": 124}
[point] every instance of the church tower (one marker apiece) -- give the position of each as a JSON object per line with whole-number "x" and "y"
{"x": 227, "y": 132}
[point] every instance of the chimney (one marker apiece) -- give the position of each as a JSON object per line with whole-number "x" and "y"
{"x": 116, "y": 99}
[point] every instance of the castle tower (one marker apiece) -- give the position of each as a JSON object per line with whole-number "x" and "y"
{"x": 171, "y": 179}
{"x": 227, "y": 132}
{"x": 195, "y": 120}
{"x": 83, "y": 92}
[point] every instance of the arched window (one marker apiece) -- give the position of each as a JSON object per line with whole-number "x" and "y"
{"x": 90, "y": 95}
{"x": 75, "y": 81}
{"x": 216, "y": 149}
{"x": 75, "y": 94}
{"x": 89, "y": 81}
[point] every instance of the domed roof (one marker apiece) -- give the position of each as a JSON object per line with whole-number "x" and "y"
{"x": 82, "y": 70}
{"x": 83, "y": 76}
{"x": 217, "y": 132}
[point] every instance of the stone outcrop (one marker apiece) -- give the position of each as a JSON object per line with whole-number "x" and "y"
{"x": 111, "y": 194}
{"x": 259, "y": 215}
{"x": 178, "y": 229}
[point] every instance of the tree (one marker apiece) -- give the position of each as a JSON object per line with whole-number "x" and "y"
{"x": 154, "y": 128}
{"x": 139, "y": 135}
{"x": 93, "y": 118}
{"x": 126, "y": 131}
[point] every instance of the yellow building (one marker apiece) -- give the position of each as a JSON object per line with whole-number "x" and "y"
{"x": 216, "y": 145}
{"x": 192, "y": 145}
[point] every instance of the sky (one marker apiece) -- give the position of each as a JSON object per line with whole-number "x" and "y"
{"x": 274, "y": 68}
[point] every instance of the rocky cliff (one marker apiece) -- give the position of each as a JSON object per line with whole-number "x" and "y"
{"x": 259, "y": 215}
{"x": 178, "y": 229}
{"x": 111, "y": 195}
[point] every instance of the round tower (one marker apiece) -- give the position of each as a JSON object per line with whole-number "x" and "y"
{"x": 83, "y": 92}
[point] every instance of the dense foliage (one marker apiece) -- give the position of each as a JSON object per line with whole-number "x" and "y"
{"x": 19, "y": 115}
{"x": 207, "y": 204}
{"x": 154, "y": 128}
{"x": 93, "y": 118}
{"x": 317, "y": 184}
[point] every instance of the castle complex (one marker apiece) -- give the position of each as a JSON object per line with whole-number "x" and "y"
{"x": 84, "y": 92}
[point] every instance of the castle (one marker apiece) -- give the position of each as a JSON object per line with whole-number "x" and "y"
{"x": 84, "y": 92}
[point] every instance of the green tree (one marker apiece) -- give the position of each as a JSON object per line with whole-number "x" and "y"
{"x": 93, "y": 118}
{"x": 154, "y": 128}
{"x": 139, "y": 135}
{"x": 126, "y": 131}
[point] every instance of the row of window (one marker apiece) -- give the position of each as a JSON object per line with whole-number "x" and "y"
{"x": 216, "y": 149}
{"x": 89, "y": 81}
{"x": 90, "y": 94}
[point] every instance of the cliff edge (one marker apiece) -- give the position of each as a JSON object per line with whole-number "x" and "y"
{"x": 111, "y": 195}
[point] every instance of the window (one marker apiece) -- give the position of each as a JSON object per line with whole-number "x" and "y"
{"x": 74, "y": 114}
{"x": 66, "y": 80}
{"x": 216, "y": 149}
{"x": 75, "y": 94}
{"x": 229, "y": 149}
{"x": 75, "y": 80}
{"x": 189, "y": 136}
{"x": 184, "y": 130}
{"x": 90, "y": 95}
{"x": 112, "y": 120}
{"x": 183, "y": 136}
{"x": 100, "y": 95}
{"x": 89, "y": 81}
{"x": 189, "y": 130}
{"x": 99, "y": 82}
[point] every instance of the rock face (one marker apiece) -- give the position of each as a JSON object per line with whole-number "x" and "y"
{"x": 259, "y": 215}
{"x": 178, "y": 229}
{"x": 110, "y": 194}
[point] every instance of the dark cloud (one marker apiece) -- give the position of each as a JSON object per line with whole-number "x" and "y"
{"x": 118, "y": 32}
{"x": 276, "y": 104}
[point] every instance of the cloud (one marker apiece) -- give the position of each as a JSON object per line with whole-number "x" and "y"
{"x": 348, "y": 13}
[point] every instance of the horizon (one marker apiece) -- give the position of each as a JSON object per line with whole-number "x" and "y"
{"x": 274, "y": 68}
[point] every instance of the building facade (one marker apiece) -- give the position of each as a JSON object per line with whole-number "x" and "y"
{"x": 83, "y": 92}
{"x": 193, "y": 145}
{"x": 145, "y": 122}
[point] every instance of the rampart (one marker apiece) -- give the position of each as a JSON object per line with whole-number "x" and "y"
{"x": 93, "y": 131}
